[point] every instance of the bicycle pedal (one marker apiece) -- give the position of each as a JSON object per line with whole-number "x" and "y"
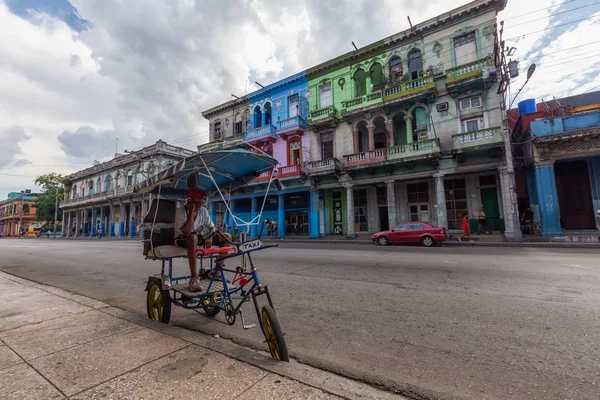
{"x": 249, "y": 326}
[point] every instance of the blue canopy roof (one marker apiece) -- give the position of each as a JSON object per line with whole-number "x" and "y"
{"x": 230, "y": 169}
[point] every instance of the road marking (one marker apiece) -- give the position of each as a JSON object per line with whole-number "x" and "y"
{"x": 451, "y": 262}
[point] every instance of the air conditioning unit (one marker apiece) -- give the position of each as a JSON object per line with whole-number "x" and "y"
{"x": 442, "y": 107}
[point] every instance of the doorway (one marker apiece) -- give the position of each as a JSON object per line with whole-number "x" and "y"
{"x": 419, "y": 212}
{"x": 574, "y": 195}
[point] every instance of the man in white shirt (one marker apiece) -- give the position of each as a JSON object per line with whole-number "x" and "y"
{"x": 192, "y": 226}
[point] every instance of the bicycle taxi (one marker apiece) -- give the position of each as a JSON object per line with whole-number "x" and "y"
{"x": 219, "y": 172}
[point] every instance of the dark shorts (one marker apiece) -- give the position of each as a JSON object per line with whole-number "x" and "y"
{"x": 182, "y": 241}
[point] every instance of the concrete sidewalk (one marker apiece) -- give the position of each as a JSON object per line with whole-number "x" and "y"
{"x": 57, "y": 345}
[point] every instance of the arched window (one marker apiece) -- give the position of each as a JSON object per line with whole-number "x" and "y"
{"x": 118, "y": 180}
{"x": 129, "y": 178}
{"x": 360, "y": 83}
{"x": 98, "y": 185}
{"x": 74, "y": 191}
{"x": 237, "y": 128}
{"x": 82, "y": 189}
{"x": 415, "y": 64}
{"x": 363, "y": 137}
{"x": 138, "y": 174}
{"x": 257, "y": 117}
{"x": 151, "y": 169}
{"x": 395, "y": 69}
{"x": 376, "y": 76}
{"x": 247, "y": 122}
{"x": 25, "y": 209}
{"x": 268, "y": 114}
{"x": 108, "y": 182}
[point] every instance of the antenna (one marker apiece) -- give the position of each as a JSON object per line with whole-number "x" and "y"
{"x": 355, "y": 48}
{"x": 409, "y": 21}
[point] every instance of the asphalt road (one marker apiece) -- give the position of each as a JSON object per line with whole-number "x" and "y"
{"x": 447, "y": 322}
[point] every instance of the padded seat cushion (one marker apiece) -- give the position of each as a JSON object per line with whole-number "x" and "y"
{"x": 167, "y": 251}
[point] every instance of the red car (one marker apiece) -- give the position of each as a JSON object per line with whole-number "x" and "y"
{"x": 411, "y": 232}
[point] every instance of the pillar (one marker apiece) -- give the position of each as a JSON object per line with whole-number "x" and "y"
{"x": 93, "y": 231}
{"x": 392, "y": 205}
{"x": 102, "y": 223}
{"x": 69, "y": 224}
{"x": 122, "y": 214}
{"x": 263, "y": 117}
{"x": 313, "y": 221}
{"x": 63, "y": 224}
{"x": 409, "y": 129}
{"x": 77, "y": 219}
{"x": 132, "y": 220}
{"x": 254, "y": 229}
{"x": 440, "y": 198}
{"x": 280, "y": 216}
{"x": 355, "y": 140}
{"x": 350, "y": 207}
{"x": 371, "y": 129}
{"x": 389, "y": 134}
{"x": 85, "y": 230}
{"x": 111, "y": 219}
{"x": 548, "y": 198}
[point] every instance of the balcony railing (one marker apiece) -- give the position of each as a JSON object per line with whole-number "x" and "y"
{"x": 263, "y": 131}
{"x": 362, "y": 101}
{"x": 265, "y": 176}
{"x": 366, "y": 157}
{"x": 477, "y": 138}
{"x": 294, "y": 122}
{"x": 290, "y": 170}
{"x": 409, "y": 88}
{"x": 468, "y": 70}
{"x": 322, "y": 113}
{"x": 100, "y": 195}
{"x": 419, "y": 148}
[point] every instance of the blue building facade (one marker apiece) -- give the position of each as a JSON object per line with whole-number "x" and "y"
{"x": 274, "y": 121}
{"x": 561, "y": 149}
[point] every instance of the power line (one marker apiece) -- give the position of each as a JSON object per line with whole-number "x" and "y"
{"x": 560, "y": 51}
{"x": 558, "y": 13}
{"x": 551, "y": 27}
{"x": 20, "y": 176}
{"x": 589, "y": 90}
{"x": 541, "y": 9}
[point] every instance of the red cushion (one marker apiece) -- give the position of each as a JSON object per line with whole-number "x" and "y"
{"x": 214, "y": 250}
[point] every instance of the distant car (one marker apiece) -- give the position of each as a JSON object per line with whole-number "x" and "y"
{"x": 411, "y": 232}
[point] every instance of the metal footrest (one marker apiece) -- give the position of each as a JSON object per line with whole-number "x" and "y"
{"x": 244, "y": 322}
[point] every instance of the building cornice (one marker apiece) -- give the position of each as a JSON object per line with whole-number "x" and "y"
{"x": 277, "y": 86}
{"x": 230, "y": 105}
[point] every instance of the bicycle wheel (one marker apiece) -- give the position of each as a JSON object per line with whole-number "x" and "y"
{"x": 158, "y": 302}
{"x": 274, "y": 335}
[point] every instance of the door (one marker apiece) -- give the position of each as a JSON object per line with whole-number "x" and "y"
{"x": 415, "y": 232}
{"x": 489, "y": 201}
{"x": 399, "y": 234}
{"x": 574, "y": 195}
{"x": 384, "y": 222}
{"x": 419, "y": 212}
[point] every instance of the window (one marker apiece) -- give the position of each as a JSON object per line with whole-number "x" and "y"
{"x": 108, "y": 183}
{"x": 295, "y": 153}
{"x": 217, "y": 130}
{"x": 415, "y": 63}
{"x": 326, "y": 145}
{"x": 401, "y": 227}
{"x": 293, "y": 106}
{"x": 465, "y": 49}
{"x": 382, "y": 196}
{"x": 395, "y": 69}
{"x": 360, "y": 83}
{"x": 361, "y": 220}
{"x": 268, "y": 114}
{"x": 25, "y": 209}
{"x": 257, "y": 117}
{"x": 472, "y": 124}
{"x": 129, "y": 178}
{"x": 237, "y": 128}
{"x": 456, "y": 202}
{"x": 98, "y": 185}
{"x": 325, "y": 98}
{"x": 118, "y": 180}
{"x": 470, "y": 103}
{"x": 418, "y": 192}
{"x": 376, "y": 76}
{"x": 416, "y": 227}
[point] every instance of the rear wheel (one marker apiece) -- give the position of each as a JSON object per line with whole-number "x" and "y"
{"x": 274, "y": 334}
{"x": 383, "y": 241}
{"x": 427, "y": 241}
{"x": 211, "y": 311}
{"x": 158, "y": 302}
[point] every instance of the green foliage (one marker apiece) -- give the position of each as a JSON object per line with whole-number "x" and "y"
{"x": 53, "y": 185}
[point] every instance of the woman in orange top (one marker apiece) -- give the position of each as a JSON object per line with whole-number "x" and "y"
{"x": 465, "y": 228}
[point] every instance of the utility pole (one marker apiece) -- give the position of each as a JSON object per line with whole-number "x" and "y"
{"x": 56, "y": 213}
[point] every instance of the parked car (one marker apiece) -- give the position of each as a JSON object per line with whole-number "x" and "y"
{"x": 411, "y": 232}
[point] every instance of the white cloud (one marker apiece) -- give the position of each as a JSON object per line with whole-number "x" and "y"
{"x": 146, "y": 69}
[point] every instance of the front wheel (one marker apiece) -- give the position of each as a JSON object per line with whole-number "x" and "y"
{"x": 383, "y": 241}
{"x": 274, "y": 334}
{"x": 158, "y": 302}
{"x": 427, "y": 241}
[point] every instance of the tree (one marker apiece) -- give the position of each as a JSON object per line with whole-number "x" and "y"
{"x": 53, "y": 185}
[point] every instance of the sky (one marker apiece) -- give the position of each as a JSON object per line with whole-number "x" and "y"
{"x": 81, "y": 79}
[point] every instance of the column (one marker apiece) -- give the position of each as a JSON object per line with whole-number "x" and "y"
{"x": 280, "y": 216}
{"x": 132, "y": 220}
{"x": 409, "y": 129}
{"x": 263, "y": 117}
{"x": 313, "y": 222}
{"x": 111, "y": 219}
{"x": 69, "y": 226}
{"x": 371, "y": 129}
{"x": 389, "y": 131}
{"x": 254, "y": 229}
{"x": 355, "y": 140}
{"x": 85, "y": 231}
{"x": 63, "y": 224}
{"x": 102, "y": 223}
{"x": 548, "y": 198}
{"x": 93, "y": 230}
{"x": 77, "y": 218}
{"x": 122, "y": 214}
{"x": 350, "y": 206}
{"x": 144, "y": 209}
{"x": 392, "y": 205}
{"x": 440, "y": 197}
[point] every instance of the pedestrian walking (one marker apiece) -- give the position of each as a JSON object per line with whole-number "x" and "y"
{"x": 465, "y": 228}
{"x": 274, "y": 231}
{"x": 527, "y": 219}
{"x": 269, "y": 228}
{"x": 99, "y": 232}
{"x": 482, "y": 221}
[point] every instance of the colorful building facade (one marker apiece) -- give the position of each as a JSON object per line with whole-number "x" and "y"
{"x": 559, "y": 149}
{"x": 101, "y": 197}
{"x": 408, "y": 128}
{"x": 17, "y": 214}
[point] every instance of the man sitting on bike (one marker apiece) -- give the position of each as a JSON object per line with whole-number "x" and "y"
{"x": 192, "y": 226}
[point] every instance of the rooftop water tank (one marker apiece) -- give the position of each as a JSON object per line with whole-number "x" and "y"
{"x": 527, "y": 107}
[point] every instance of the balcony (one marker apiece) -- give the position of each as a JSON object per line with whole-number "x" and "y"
{"x": 476, "y": 75}
{"x": 362, "y": 101}
{"x": 98, "y": 197}
{"x": 323, "y": 167}
{"x": 289, "y": 171}
{"x": 366, "y": 157}
{"x": 292, "y": 124}
{"x": 477, "y": 139}
{"x": 265, "y": 176}
{"x": 321, "y": 115}
{"x": 411, "y": 151}
{"x": 264, "y": 133}
{"x": 410, "y": 88}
